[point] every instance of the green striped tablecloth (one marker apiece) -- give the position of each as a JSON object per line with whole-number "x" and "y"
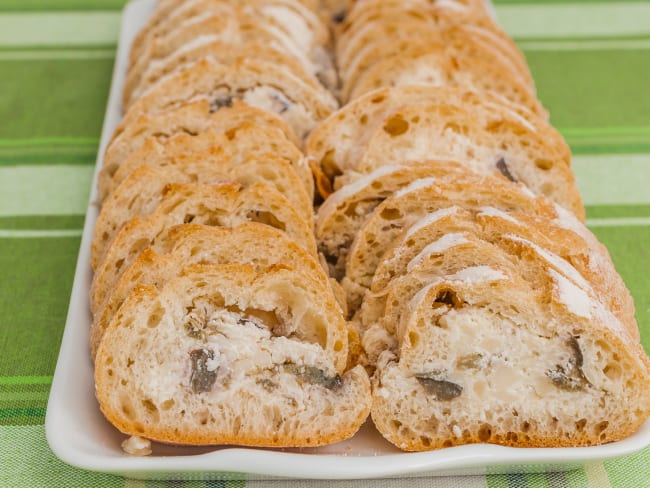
{"x": 591, "y": 61}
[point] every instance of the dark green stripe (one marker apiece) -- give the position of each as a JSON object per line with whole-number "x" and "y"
{"x": 617, "y": 211}
{"x": 34, "y": 294}
{"x": 23, "y": 416}
{"x": 53, "y": 98}
{"x": 87, "y": 157}
{"x": 60, "y": 5}
{"x": 594, "y": 89}
{"x": 43, "y": 222}
{"x": 628, "y": 247}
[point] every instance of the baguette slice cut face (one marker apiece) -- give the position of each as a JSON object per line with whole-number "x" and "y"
{"x": 226, "y": 205}
{"x": 520, "y": 233}
{"x": 418, "y": 199}
{"x": 189, "y": 244}
{"x": 469, "y": 66}
{"x": 225, "y": 355}
{"x": 456, "y": 37}
{"x": 144, "y": 188}
{"x": 500, "y": 146}
{"x": 259, "y": 84}
{"x": 338, "y": 144}
{"x": 237, "y": 29}
{"x": 220, "y": 51}
{"x": 344, "y": 212}
{"x": 235, "y": 145}
{"x": 193, "y": 118}
{"x": 485, "y": 357}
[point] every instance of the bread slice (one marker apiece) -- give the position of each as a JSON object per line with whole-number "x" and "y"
{"x": 234, "y": 28}
{"x": 341, "y": 216}
{"x": 144, "y": 188}
{"x": 340, "y": 141}
{"x": 239, "y": 144}
{"x": 496, "y": 145}
{"x": 471, "y": 67}
{"x": 230, "y": 355}
{"x": 187, "y": 244}
{"x": 513, "y": 231}
{"x": 306, "y": 27}
{"x": 259, "y": 84}
{"x": 416, "y": 200}
{"x": 458, "y": 40}
{"x": 484, "y": 356}
{"x": 400, "y": 23}
{"x": 220, "y": 51}
{"x": 224, "y": 205}
{"x": 192, "y": 118}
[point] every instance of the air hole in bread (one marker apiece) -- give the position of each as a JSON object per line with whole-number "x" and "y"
{"x": 580, "y": 425}
{"x": 601, "y": 426}
{"x": 391, "y": 213}
{"x": 155, "y": 317}
{"x": 137, "y": 247}
{"x": 330, "y": 168}
{"x": 119, "y": 263}
{"x": 414, "y": 338}
{"x": 396, "y": 125}
{"x": 525, "y": 426}
{"x": 151, "y": 409}
{"x": 105, "y": 236}
{"x": 364, "y": 119}
{"x": 378, "y": 99}
{"x": 139, "y": 428}
{"x": 544, "y": 164}
{"x": 109, "y": 372}
{"x": 267, "y": 218}
{"x": 447, "y": 297}
{"x": 485, "y": 433}
{"x": 612, "y": 371}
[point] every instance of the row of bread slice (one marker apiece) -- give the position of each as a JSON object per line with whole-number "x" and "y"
{"x": 388, "y": 43}
{"x": 485, "y": 132}
{"x": 486, "y": 313}
{"x": 244, "y": 221}
{"x": 273, "y": 55}
{"x": 213, "y": 320}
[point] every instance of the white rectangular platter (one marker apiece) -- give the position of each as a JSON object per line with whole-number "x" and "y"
{"x": 79, "y": 435}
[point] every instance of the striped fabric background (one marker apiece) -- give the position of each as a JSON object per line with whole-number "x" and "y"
{"x": 591, "y": 61}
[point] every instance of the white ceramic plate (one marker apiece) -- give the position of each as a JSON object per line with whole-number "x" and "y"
{"x": 79, "y": 435}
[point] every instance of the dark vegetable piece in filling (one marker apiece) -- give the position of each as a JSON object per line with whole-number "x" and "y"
{"x": 314, "y": 375}
{"x": 218, "y": 103}
{"x": 571, "y": 378}
{"x": 201, "y": 378}
{"x": 503, "y": 169}
{"x": 442, "y": 389}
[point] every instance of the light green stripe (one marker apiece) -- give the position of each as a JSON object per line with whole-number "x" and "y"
{"x": 25, "y": 380}
{"x": 577, "y": 479}
{"x": 620, "y": 222}
{"x": 575, "y": 19}
{"x": 44, "y": 190}
{"x": 537, "y": 480}
{"x": 49, "y": 28}
{"x": 47, "y": 54}
{"x": 24, "y": 396}
{"x": 39, "y": 234}
{"x": 552, "y": 45}
{"x": 596, "y": 475}
{"x": 613, "y": 179}
{"x": 27, "y": 460}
